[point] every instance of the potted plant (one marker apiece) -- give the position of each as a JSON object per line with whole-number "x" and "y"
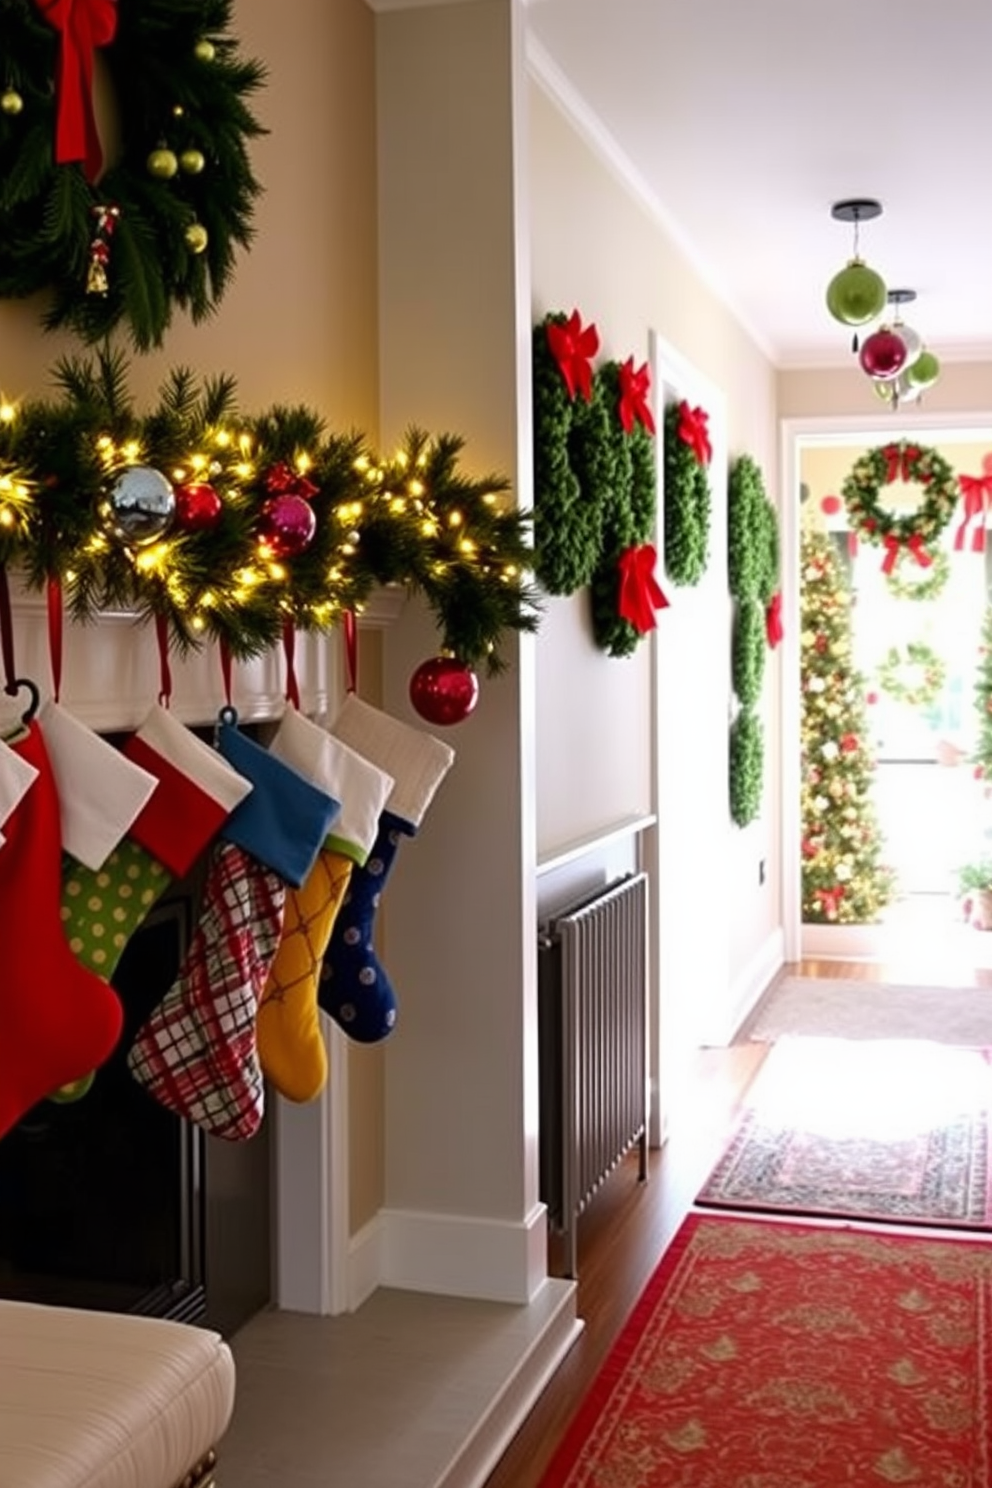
{"x": 975, "y": 883}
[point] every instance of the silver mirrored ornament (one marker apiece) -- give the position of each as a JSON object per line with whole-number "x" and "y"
{"x": 139, "y": 505}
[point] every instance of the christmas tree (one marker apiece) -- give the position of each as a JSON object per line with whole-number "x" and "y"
{"x": 844, "y": 881}
{"x": 982, "y": 756}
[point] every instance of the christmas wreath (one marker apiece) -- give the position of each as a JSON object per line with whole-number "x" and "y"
{"x": 229, "y": 526}
{"x": 748, "y": 651}
{"x": 747, "y": 557}
{"x": 687, "y": 493}
{"x": 929, "y": 587}
{"x": 913, "y": 674}
{"x": 159, "y": 226}
{"x": 747, "y": 763}
{"x": 916, "y": 530}
{"x": 625, "y": 593}
{"x": 574, "y": 456}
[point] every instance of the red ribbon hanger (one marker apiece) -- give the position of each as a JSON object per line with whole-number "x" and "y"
{"x": 7, "y": 635}
{"x": 640, "y": 593}
{"x": 83, "y": 25}
{"x": 289, "y": 647}
{"x": 573, "y": 346}
{"x": 634, "y": 390}
{"x": 976, "y": 501}
{"x": 53, "y": 597}
{"x": 694, "y": 431}
{"x": 164, "y": 674}
{"x": 351, "y": 651}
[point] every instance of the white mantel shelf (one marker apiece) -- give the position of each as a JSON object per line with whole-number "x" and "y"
{"x": 110, "y": 669}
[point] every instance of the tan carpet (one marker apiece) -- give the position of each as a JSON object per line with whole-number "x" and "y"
{"x": 829, "y": 1008}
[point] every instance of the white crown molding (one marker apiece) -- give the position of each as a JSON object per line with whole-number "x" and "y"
{"x": 562, "y": 92}
{"x": 381, "y": 6}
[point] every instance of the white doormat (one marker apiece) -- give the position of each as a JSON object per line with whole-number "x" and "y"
{"x": 823, "y": 1007}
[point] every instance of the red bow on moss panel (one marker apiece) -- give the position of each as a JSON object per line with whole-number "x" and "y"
{"x": 976, "y": 497}
{"x": 640, "y": 593}
{"x": 694, "y": 431}
{"x": 83, "y": 25}
{"x": 912, "y": 544}
{"x": 634, "y": 389}
{"x": 830, "y": 900}
{"x": 573, "y": 347}
{"x": 900, "y": 462}
{"x": 774, "y": 629}
{"x": 283, "y": 480}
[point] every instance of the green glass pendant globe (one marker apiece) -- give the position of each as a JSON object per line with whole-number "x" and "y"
{"x": 856, "y": 294}
{"x": 924, "y": 371}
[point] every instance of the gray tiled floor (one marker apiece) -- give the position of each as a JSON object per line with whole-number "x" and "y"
{"x": 385, "y": 1398}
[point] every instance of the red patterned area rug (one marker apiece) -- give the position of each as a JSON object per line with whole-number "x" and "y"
{"x": 766, "y": 1354}
{"x": 890, "y": 1130}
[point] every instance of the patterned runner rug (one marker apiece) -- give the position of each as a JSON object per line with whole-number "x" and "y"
{"x": 885, "y": 1130}
{"x": 773, "y": 1355}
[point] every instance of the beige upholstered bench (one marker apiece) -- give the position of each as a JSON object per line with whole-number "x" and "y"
{"x": 101, "y": 1400}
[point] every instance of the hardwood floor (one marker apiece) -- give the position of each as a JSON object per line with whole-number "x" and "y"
{"x": 628, "y": 1225}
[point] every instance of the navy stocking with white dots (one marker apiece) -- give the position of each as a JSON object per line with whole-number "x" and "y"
{"x": 353, "y": 988}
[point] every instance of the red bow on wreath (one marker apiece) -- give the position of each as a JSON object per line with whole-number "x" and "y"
{"x": 774, "y": 629}
{"x": 640, "y": 593}
{"x": 830, "y": 900}
{"x": 573, "y": 346}
{"x": 283, "y": 480}
{"x": 634, "y": 389}
{"x": 83, "y": 26}
{"x": 912, "y": 544}
{"x": 900, "y": 462}
{"x": 976, "y": 497}
{"x": 694, "y": 431}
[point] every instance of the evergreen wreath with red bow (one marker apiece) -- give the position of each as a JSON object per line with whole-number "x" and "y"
{"x": 156, "y": 226}
{"x": 912, "y": 532}
{"x": 687, "y": 493}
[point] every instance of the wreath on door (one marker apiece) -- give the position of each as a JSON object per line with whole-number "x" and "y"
{"x": 157, "y": 225}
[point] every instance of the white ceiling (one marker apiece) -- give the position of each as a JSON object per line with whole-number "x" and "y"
{"x": 743, "y": 123}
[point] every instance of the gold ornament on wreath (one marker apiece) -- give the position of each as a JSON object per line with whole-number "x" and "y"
{"x": 931, "y": 586}
{"x": 912, "y": 674}
{"x": 914, "y": 531}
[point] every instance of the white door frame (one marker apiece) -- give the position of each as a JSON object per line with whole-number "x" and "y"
{"x": 795, "y": 434}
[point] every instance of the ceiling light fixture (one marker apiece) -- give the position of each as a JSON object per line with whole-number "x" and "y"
{"x": 917, "y": 371}
{"x": 856, "y": 294}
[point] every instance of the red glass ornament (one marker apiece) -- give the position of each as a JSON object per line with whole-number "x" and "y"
{"x": 198, "y": 507}
{"x": 444, "y": 690}
{"x": 883, "y": 354}
{"x": 286, "y": 525}
{"x": 831, "y": 505}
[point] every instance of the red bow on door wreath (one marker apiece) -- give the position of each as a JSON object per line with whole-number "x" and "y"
{"x": 640, "y": 593}
{"x": 83, "y": 25}
{"x": 900, "y": 462}
{"x": 912, "y": 545}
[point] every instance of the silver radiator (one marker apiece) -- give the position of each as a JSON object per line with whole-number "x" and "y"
{"x": 592, "y": 998}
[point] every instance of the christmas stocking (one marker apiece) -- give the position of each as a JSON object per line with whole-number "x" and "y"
{"x": 58, "y": 1021}
{"x": 354, "y": 988}
{"x": 197, "y": 1054}
{"x": 16, "y": 775}
{"x": 290, "y": 1042}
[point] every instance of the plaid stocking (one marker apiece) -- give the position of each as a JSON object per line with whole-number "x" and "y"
{"x": 197, "y": 1053}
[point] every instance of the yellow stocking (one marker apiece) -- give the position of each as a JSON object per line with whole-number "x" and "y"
{"x": 290, "y": 1044}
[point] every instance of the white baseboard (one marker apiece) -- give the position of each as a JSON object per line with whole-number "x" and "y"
{"x": 751, "y": 982}
{"x": 458, "y": 1255}
{"x": 364, "y": 1263}
{"x": 844, "y": 942}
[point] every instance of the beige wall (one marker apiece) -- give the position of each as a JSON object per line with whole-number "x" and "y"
{"x": 964, "y": 387}
{"x": 594, "y": 247}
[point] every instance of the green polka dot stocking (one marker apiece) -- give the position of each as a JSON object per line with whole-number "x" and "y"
{"x": 102, "y": 909}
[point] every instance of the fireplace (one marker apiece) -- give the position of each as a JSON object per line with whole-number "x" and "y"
{"x": 112, "y": 1202}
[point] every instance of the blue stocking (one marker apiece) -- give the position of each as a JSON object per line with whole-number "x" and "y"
{"x": 353, "y": 988}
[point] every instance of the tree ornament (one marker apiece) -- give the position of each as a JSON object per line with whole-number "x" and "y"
{"x": 192, "y": 162}
{"x": 856, "y": 294}
{"x": 196, "y": 237}
{"x": 139, "y": 506}
{"x": 67, "y": 1095}
{"x": 444, "y": 690}
{"x": 883, "y": 354}
{"x": 204, "y": 51}
{"x": 831, "y": 505}
{"x": 162, "y": 163}
{"x": 286, "y": 526}
{"x": 198, "y": 507}
{"x": 924, "y": 371}
{"x": 11, "y": 102}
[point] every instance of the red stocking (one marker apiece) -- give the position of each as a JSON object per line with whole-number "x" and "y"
{"x": 57, "y": 1020}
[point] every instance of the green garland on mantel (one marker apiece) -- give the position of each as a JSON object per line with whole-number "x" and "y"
{"x": 159, "y": 228}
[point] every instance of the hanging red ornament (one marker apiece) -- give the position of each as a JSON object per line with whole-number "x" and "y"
{"x": 444, "y": 690}
{"x": 198, "y": 507}
{"x": 871, "y": 698}
{"x": 286, "y": 526}
{"x": 831, "y": 505}
{"x": 883, "y": 355}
